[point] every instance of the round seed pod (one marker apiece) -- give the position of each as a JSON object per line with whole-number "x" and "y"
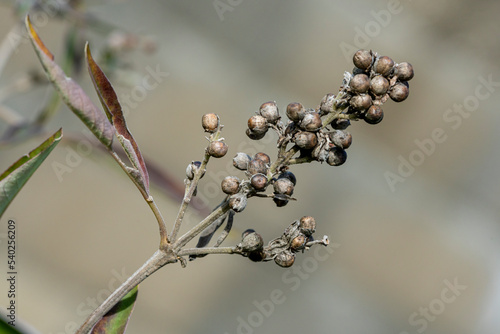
{"x": 252, "y": 242}
{"x": 342, "y": 139}
{"x": 246, "y": 232}
{"x": 288, "y": 175}
{"x": 379, "y": 85}
{"x": 280, "y": 200}
{"x": 404, "y": 71}
{"x": 241, "y": 160}
{"x": 383, "y": 65}
{"x": 362, "y": 59}
{"x": 295, "y": 112}
{"x": 257, "y": 124}
{"x": 399, "y": 92}
{"x": 298, "y": 243}
{"x": 259, "y": 182}
{"x": 255, "y": 135}
{"x": 210, "y": 122}
{"x": 326, "y": 105}
{"x": 285, "y": 259}
{"x": 336, "y": 156}
{"x": 256, "y": 256}
{"x": 257, "y": 166}
{"x": 374, "y": 115}
{"x": 340, "y": 124}
{"x": 270, "y": 112}
{"x": 262, "y": 156}
{"x": 230, "y": 185}
{"x": 217, "y": 149}
{"x": 305, "y": 140}
{"x": 360, "y": 83}
{"x": 283, "y": 186}
{"x": 311, "y": 122}
{"x": 307, "y": 225}
{"x": 192, "y": 168}
{"x": 238, "y": 202}
{"x": 360, "y": 102}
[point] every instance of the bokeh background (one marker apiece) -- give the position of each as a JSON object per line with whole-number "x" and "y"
{"x": 396, "y": 250}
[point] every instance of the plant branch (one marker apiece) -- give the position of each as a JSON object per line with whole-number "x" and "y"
{"x": 208, "y": 250}
{"x": 222, "y": 209}
{"x": 149, "y": 199}
{"x": 155, "y": 262}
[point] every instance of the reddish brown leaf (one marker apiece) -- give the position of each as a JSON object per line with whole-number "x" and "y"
{"x": 71, "y": 93}
{"x": 114, "y": 112}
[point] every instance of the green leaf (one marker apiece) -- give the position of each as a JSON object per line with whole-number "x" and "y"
{"x": 115, "y": 321}
{"x": 114, "y": 112}
{"x": 71, "y": 93}
{"x": 5, "y": 328}
{"x": 14, "y": 178}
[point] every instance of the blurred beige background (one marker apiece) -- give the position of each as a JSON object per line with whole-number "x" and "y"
{"x": 396, "y": 251}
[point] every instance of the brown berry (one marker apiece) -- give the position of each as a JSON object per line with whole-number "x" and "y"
{"x": 252, "y": 242}
{"x": 257, "y": 124}
{"x": 383, "y": 65}
{"x": 404, "y": 71}
{"x": 295, "y": 111}
{"x": 269, "y": 111}
{"x": 379, "y": 85}
{"x": 280, "y": 200}
{"x": 210, "y": 122}
{"x": 241, "y": 161}
{"x": 256, "y": 166}
{"x": 285, "y": 259}
{"x": 283, "y": 186}
{"x": 305, "y": 140}
{"x": 288, "y": 175}
{"x": 340, "y": 124}
{"x": 217, "y": 149}
{"x": 342, "y": 139}
{"x": 374, "y": 115}
{"x": 259, "y": 182}
{"x": 262, "y": 156}
{"x": 360, "y": 83}
{"x": 360, "y": 102}
{"x": 399, "y": 92}
{"x": 362, "y": 59}
{"x": 307, "y": 225}
{"x": 298, "y": 243}
{"x": 336, "y": 156}
{"x": 255, "y": 135}
{"x": 230, "y": 185}
{"x": 311, "y": 122}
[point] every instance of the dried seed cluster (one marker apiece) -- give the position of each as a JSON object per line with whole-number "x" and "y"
{"x": 309, "y": 134}
{"x": 296, "y": 238}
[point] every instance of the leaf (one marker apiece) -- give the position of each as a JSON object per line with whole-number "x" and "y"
{"x": 114, "y": 112}
{"x": 71, "y": 93}
{"x": 115, "y": 321}
{"x": 5, "y": 328}
{"x": 14, "y": 178}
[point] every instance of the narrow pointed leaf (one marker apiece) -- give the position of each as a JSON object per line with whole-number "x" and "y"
{"x": 114, "y": 112}
{"x": 71, "y": 93}
{"x": 116, "y": 320}
{"x": 14, "y": 178}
